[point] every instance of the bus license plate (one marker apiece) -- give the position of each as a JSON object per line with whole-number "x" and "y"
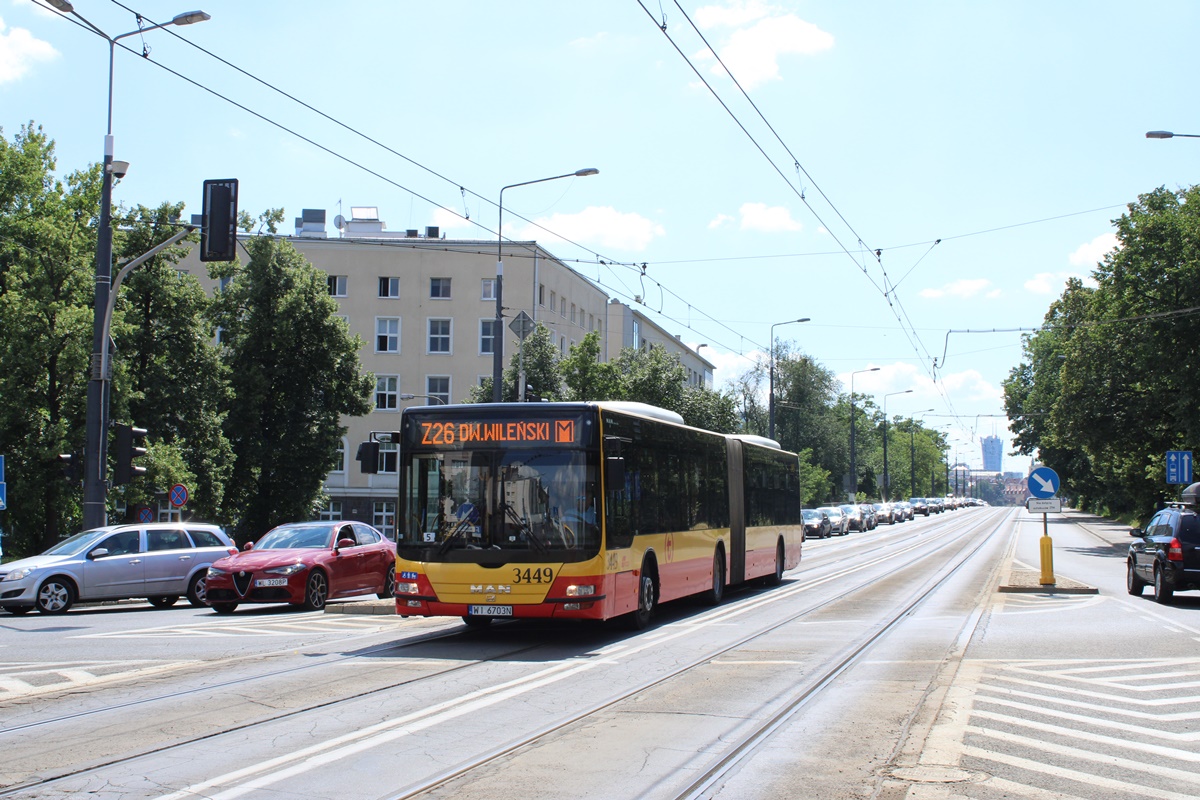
{"x": 270, "y": 582}
{"x": 490, "y": 611}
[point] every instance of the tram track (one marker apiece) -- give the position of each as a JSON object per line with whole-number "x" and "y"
{"x": 834, "y": 568}
{"x": 748, "y": 743}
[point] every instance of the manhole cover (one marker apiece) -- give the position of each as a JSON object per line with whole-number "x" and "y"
{"x": 936, "y": 773}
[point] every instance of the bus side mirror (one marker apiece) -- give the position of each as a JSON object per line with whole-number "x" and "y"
{"x": 614, "y": 473}
{"x": 368, "y": 457}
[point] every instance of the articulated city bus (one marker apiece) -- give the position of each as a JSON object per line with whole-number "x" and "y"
{"x": 583, "y": 511}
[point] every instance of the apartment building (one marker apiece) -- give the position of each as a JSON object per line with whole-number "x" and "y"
{"x": 425, "y": 308}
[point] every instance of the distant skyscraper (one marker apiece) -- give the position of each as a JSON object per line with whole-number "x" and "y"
{"x": 993, "y": 453}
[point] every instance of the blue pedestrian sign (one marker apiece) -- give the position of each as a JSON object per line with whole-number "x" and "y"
{"x": 1043, "y": 483}
{"x": 3, "y": 496}
{"x": 1179, "y": 466}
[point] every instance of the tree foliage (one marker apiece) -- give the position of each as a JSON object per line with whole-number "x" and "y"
{"x": 293, "y": 370}
{"x": 1106, "y": 386}
{"x": 47, "y": 246}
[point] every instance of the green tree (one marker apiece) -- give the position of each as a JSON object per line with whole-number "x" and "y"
{"x": 540, "y": 358}
{"x": 47, "y": 256}
{"x": 585, "y": 376}
{"x": 294, "y": 370}
{"x": 169, "y": 376}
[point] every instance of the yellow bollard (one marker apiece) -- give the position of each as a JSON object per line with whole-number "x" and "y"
{"x": 1047, "y": 546}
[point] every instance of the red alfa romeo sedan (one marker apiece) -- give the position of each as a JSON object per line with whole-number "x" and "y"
{"x": 305, "y": 564}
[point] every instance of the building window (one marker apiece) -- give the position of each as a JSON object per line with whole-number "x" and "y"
{"x": 591, "y": 322}
{"x": 562, "y": 308}
{"x": 562, "y": 346}
{"x": 553, "y": 301}
{"x": 487, "y": 337}
{"x": 339, "y": 465}
{"x": 220, "y": 334}
{"x": 387, "y": 457}
{"x": 389, "y": 287}
{"x": 572, "y": 313}
{"x": 387, "y": 392}
{"x": 439, "y": 288}
{"x": 332, "y": 511}
{"x": 541, "y": 294}
{"x": 337, "y": 285}
{"x": 225, "y": 283}
{"x": 438, "y": 386}
{"x": 637, "y": 332}
{"x": 384, "y": 518}
{"x": 387, "y": 334}
{"x": 488, "y": 289}
{"x": 439, "y": 336}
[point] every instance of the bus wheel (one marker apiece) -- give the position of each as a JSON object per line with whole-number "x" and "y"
{"x": 717, "y": 593}
{"x": 777, "y": 578}
{"x": 640, "y": 619}
{"x": 479, "y": 623}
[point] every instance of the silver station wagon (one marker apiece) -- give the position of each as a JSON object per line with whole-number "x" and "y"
{"x": 161, "y": 561}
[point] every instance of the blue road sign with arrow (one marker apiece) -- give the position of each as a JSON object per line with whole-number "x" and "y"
{"x": 1043, "y": 483}
{"x": 1179, "y": 466}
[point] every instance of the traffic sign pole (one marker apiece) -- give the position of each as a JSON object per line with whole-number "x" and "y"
{"x": 1043, "y": 484}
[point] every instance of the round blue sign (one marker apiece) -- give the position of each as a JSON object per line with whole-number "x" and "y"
{"x": 179, "y": 495}
{"x": 1043, "y": 483}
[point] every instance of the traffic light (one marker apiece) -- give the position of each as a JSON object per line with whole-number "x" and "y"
{"x": 72, "y": 466}
{"x": 218, "y": 234}
{"x": 127, "y": 449}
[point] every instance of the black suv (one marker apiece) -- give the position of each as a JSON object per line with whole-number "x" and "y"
{"x": 1166, "y": 554}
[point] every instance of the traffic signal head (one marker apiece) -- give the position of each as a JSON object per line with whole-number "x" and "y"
{"x": 128, "y": 447}
{"x": 72, "y": 466}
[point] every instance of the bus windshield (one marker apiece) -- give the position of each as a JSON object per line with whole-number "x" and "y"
{"x": 499, "y": 506}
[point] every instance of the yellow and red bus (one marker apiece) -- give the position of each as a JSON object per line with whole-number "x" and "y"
{"x": 583, "y": 511}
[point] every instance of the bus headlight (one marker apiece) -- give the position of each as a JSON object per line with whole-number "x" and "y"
{"x": 406, "y": 588}
{"x": 581, "y": 591}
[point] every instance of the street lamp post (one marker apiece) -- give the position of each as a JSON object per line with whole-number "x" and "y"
{"x": 498, "y": 337}
{"x": 771, "y": 387}
{"x": 95, "y": 489}
{"x": 1169, "y": 135}
{"x": 853, "y": 455}
{"x": 886, "y": 482}
{"x": 912, "y": 452}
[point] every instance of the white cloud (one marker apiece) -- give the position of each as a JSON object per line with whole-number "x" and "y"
{"x": 1053, "y": 282}
{"x": 736, "y": 13}
{"x": 1090, "y": 254}
{"x": 593, "y": 42}
{"x": 760, "y": 217}
{"x": 719, "y": 220}
{"x": 19, "y": 51}
{"x": 450, "y": 219}
{"x": 965, "y": 287}
{"x": 763, "y": 34}
{"x": 602, "y": 225}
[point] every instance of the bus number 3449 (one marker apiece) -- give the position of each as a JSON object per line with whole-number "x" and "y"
{"x": 543, "y": 575}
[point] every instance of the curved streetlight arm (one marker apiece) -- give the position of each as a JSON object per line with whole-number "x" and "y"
{"x": 498, "y": 332}
{"x": 771, "y": 382}
{"x": 1170, "y": 135}
{"x": 409, "y": 396}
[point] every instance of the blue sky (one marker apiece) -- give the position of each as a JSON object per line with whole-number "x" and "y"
{"x": 1013, "y": 132}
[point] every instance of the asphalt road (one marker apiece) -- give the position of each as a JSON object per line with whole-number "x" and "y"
{"x": 887, "y": 666}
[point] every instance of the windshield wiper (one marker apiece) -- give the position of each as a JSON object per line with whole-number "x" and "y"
{"x": 525, "y": 528}
{"x": 460, "y": 527}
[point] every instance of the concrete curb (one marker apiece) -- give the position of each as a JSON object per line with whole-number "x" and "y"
{"x": 373, "y": 607}
{"x": 1028, "y": 581}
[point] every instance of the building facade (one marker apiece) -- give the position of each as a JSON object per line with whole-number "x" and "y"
{"x": 993, "y": 452}
{"x": 425, "y": 308}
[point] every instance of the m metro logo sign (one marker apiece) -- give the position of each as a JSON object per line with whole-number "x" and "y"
{"x": 564, "y": 431}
